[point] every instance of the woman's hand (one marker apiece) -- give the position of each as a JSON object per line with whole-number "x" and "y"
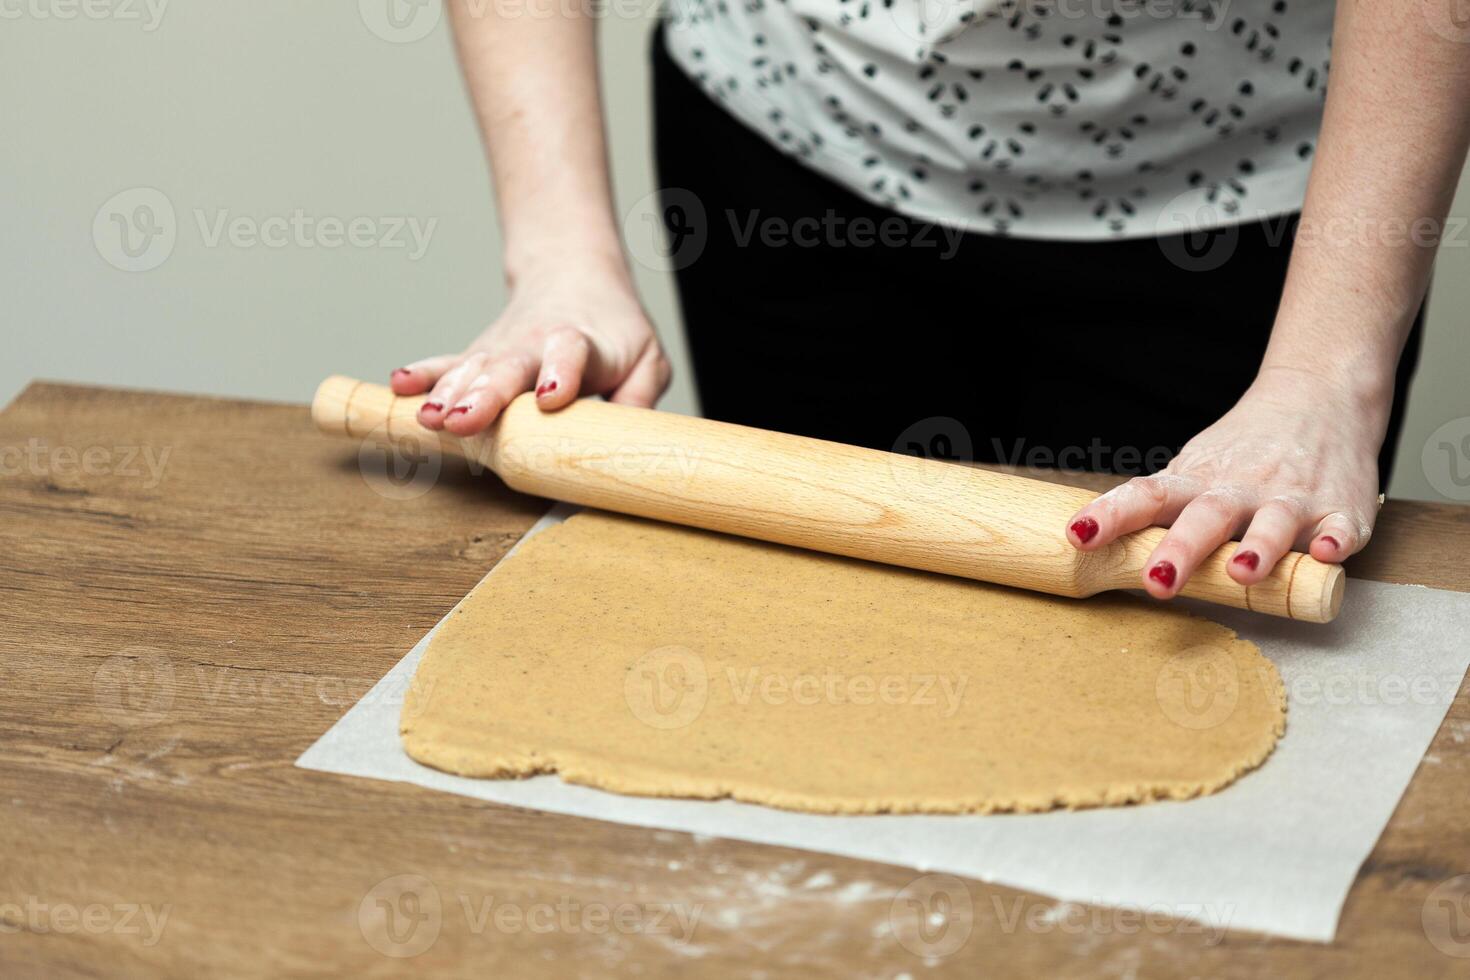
{"x": 1293, "y": 465}
{"x": 568, "y": 330}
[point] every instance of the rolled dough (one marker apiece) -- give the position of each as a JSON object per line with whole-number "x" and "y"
{"x": 644, "y": 658}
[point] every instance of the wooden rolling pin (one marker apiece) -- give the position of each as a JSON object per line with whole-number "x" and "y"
{"x": 902, "y": 510}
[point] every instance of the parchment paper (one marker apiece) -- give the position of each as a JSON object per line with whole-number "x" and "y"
{"x": 1274, "y": 853}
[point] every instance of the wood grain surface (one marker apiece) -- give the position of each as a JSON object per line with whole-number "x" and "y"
{"x": 193, "y": 590}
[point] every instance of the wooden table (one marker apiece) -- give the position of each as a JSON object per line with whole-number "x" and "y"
{"x": 194, "y": 590}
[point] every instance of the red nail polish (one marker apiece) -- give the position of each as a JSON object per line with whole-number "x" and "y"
{"x": 459, "y": 410}
{"x": 1332, "y": 541}
{"x": 1247, "y": 558}
{"x": 434, "y": 406}
{"x": 1163, "y": 573}
{"x": 546, "y": 389}
{"x": 1085, "y": 529}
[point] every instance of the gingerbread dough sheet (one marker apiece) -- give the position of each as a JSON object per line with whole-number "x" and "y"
{"x": 656, "y": 660}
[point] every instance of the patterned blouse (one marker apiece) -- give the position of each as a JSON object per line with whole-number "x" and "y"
{"x": 1061, "y": 119}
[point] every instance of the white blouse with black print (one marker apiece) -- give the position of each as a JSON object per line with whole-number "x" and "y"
{"x": 1060, "y": 119}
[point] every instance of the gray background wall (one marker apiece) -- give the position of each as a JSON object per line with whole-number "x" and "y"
{"x": 231, "y": 114}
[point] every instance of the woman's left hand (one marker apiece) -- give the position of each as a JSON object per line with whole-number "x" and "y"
{"x": 1293, "y": 465}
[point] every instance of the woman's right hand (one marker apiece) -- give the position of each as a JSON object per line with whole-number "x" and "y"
{"x": 569, "y": 329}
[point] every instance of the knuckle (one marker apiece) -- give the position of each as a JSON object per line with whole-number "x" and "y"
{"x": 1150, "y": 489}
{"x": 520, "y": 363}
{"x": 1221, "y": 504}
{"x": 1287, "y": 505}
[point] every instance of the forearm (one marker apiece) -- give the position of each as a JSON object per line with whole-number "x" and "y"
{"x": 1393, "y": 141}
{"x": 532, "y": 75}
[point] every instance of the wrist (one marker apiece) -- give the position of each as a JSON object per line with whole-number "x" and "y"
{"x": 1348, "y": 349}
{"x": 1356, "y": 405}
{"x": 559, "y": 258}
{"x": 1362, "y": 379}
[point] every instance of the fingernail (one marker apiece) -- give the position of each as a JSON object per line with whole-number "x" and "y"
{"x": 433, "y": 406}
{"x": 1247, "y": 558}
{"x": 398, "y": 371}
{"x": 459, "y": 410}
{"x": 1332, "y": 541}
{"x": 1163, "y": 573}
{"x": 1085, "y": 528}
{"x": 546, "y": 388}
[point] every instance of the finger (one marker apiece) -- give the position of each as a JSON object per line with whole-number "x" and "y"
{"x": 1337, "y": 536}
{"x": 447, "y": 390}
{"x": 563, "y": 362}
{"x": 1269, "y": 537}
{"x": 487, "y": 395}
{"x": 1206, "y": 523}
{"x": 1142, "y": 501}
{"x": 416, "y": 378}
{"x": 647, "y": 381}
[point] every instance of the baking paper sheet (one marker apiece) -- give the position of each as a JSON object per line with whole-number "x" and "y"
{"x": 1274, "y": 853}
